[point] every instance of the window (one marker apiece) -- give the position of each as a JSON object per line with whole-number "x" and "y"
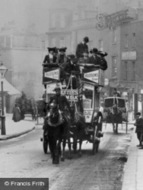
{"x": 62, "y": 42}
{"x": 53, "y": 21}
{"x": 125, "y": 70}
{"x": 114, "y": 39}
{"x": 43, "y": 44}
{"x": 53, "y": 42}
{"x": 126, "y": 45}
{"x": 114, "y": 66}
{"x": 88, "y": 95}
{"x": 101, "y": 45}
{"x": 134, "y": 41}
{"x": 133, "y": 70}
{"x": 62, "y": 21}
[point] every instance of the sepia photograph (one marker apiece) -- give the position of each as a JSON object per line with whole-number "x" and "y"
{"x": 71, "y": 94}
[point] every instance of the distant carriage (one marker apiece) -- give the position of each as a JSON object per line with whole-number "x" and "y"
{"x": 115, "y": 112}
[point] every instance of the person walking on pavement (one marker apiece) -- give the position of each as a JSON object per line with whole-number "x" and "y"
{"x": 139, "y": 128}
{"x": 16, "y": 113}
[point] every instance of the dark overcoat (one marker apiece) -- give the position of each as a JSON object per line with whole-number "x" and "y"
{"x": 16, "y": 114}
{"x": 48, "y": 60}
{"x": 139, "y": 125}
{"x": 81, "y": 48}
{"x": 61, "y": 101}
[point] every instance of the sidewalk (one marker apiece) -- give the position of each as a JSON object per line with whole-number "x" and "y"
{"x": 15, "y": 129}
{"x": 133, "y": 171}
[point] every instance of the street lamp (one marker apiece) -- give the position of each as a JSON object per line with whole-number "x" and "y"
{"x": 3, "y": 70}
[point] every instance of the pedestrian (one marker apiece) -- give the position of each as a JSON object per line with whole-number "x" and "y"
{"x": 16, "y": 113}
{"x": 139, "y": 128}
{"x": 82, "y": 47}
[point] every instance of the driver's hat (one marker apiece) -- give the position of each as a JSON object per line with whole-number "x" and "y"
{"x": 57, "y": 87}
{"x": 138, "y": 113}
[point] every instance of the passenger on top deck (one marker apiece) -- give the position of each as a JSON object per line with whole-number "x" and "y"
{"x": 72, "y": 65}
{"x": 95, "y": 59}
{"x": 62, "y": 58}
{"x": 84, "y": 58}
{"x": 103, "y": 62}
{"x": 82, "y": 47}
{"x": 98, "y": 59}
{"x": 50, "y": 58}
{"x": 90, "y": 53}
{"x": 62, "y": 62}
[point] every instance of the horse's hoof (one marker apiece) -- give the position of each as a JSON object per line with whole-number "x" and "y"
{"x": 74, "y": 151}
{"x": 69, "y": 157}
{"x": 80, "y": 154}
{"x": 55, "y": 161}
{"x": 62, "y": 159}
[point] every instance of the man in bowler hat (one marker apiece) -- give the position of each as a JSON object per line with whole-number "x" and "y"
{"x": 82, "y": 47}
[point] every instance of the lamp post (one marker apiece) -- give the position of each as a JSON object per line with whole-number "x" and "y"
{"x": 3, "y": 70}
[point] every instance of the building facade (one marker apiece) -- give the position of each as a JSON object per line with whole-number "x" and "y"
{"x": 23, "y": 54}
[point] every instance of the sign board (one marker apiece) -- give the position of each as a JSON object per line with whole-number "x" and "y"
{"x": 140, "y": 97}
{"x": 129, "y": 55}
{"x": 87, "y": 103}
{"x": 50, "y": 88}
{"x": 88, "y": 86}
{"x": 141, "y": 91}
{"x": 88, "y": 115}
{"x": 92, "y": 76}
{"x": 53, "y": 74}
{"x": 72, "y": 95}
{"x": 106, "y": 82}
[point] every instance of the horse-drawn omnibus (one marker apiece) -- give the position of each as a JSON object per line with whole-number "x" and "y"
{"x": 115, "y": 112}
{"x": 82, "y": 91}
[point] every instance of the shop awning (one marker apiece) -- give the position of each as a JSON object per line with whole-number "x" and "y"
{"x": 9, "y": 88}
